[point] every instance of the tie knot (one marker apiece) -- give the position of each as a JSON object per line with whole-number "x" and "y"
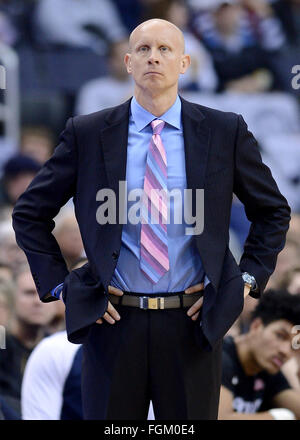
{"x": 157, "y": 126}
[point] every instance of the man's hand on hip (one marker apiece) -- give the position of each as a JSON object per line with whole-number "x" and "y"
{"x": 194, "y": 310}
{"x": 111, "y": 315}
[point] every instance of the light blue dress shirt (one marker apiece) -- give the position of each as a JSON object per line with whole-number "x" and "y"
{"x": 185, "y": 264}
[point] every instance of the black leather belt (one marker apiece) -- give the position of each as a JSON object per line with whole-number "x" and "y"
{"x": 155, "y": 303}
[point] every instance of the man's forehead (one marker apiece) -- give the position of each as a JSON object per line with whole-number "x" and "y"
{"x": 162, "y": 31}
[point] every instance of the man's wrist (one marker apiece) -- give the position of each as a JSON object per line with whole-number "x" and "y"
{"x": 250, "y": 281}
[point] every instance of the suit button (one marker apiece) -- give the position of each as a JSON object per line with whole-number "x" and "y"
{"x": 115, "y": 255}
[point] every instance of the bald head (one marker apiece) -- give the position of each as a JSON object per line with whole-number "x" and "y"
{"x": 156, "y": 25}
{"x": 155, "y": 60}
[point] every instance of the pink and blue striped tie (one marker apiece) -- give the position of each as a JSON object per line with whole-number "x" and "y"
{"x": 154, "y": 259}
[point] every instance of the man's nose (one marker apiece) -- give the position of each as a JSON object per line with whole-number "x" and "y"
{"x": 153, "y": 57}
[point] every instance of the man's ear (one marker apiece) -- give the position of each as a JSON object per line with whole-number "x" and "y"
{"x": 185, "y": 63}
{"x": 127, "y": 61}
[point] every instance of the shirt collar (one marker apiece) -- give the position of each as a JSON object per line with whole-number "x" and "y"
{"x": 142, "y": 117}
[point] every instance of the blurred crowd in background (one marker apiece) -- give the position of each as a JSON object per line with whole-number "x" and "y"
{"x": 65, "y": 57}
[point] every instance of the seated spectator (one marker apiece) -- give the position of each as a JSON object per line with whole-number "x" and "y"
{"x": 107, "y": 91}
{"x": 37, "y": 142}
{"x": 253, "y": 387}
{"x": 28, "y": 327}
{"x": 88, "y": 24}
{"x": 243, "y": 39}
{"x": 18, "y": 172}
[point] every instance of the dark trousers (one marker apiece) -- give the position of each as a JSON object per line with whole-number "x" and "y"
{"x": 149, "y": 355}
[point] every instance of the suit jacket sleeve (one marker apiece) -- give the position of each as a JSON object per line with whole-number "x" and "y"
{"x": 265, "y": 207}
{"x": 34, "y": 211}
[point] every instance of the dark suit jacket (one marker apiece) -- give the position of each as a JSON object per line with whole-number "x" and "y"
{"x": 222, "y": 157}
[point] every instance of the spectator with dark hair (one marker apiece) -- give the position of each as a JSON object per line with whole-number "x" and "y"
{"x": 253, "y": 387}
{"x": 28, "y": 327}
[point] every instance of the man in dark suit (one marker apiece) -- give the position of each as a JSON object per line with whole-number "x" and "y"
{"x": 164, "y": 297}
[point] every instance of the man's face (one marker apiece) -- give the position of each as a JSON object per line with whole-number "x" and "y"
{"x": 157, "y": 57}
{"x": 28, "y": 307}
{"x": 272, "y": 344}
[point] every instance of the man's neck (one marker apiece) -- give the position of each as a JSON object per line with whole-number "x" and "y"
{"x": 156, "y": 104}
{"x": 245, "y": 355}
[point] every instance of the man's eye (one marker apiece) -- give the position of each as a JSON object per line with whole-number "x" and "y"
{"x": 143, "y": 48}
{"x": 164, "y": 49}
